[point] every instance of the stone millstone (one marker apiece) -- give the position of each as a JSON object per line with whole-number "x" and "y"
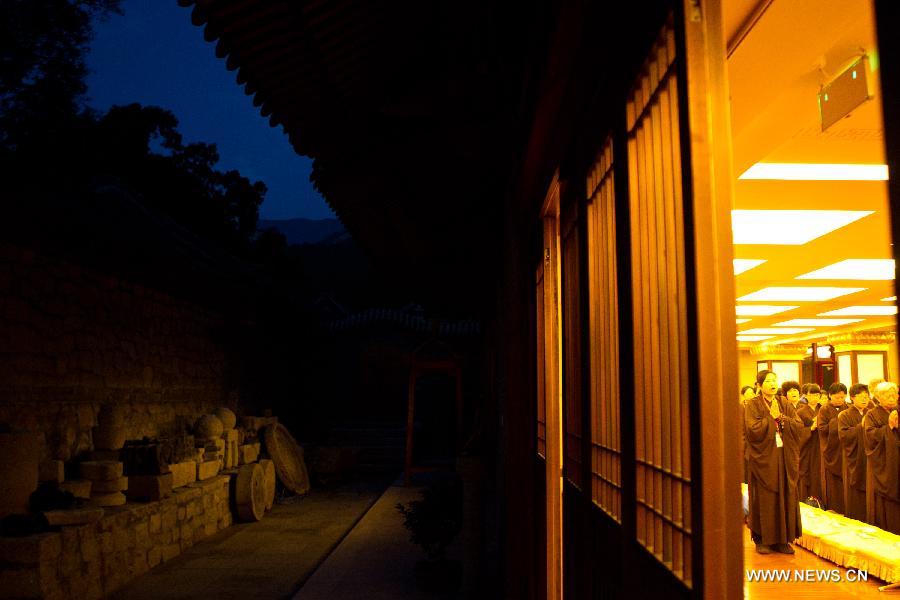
{"x": 269, "y": 479}
{"x": 108, "y": 487}
{"x": 114, "y": 499}
{"x": 250, "y": 493}
{"x": 288, "y": 458}
{"x": 101, "y": 470}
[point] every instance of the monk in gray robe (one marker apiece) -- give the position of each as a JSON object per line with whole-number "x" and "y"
{"x": 810, "y": 482}
{"x": 773, "y": 430}
{"x": 853, "y": 448}
{"x": 882, "y": 438}
{"x": 830, "y": 448}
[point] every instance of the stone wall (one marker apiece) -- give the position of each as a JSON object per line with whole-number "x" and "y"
{"x": 91, "y": 561}
{"x": 72, "y": 339}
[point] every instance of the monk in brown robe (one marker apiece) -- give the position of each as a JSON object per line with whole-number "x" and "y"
{"x": 747, "y": 392}
{"x": 873, "y": 385}
{"x": 772, "y": 430}
{"x": 853, "y": 448}
{"x": 810, "y": 482}
{"x": 882, "y": 438}
{"x": 830, "y": 447}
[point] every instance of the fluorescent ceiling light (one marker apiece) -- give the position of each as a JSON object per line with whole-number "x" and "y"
{"x": 753, "y": 338}
{"x": 775, "y": 330}
{"x": 745, "y": 264}
{"x": 861, "y": 311}
{"x": 881, "y": 269}
{"x": 788, "y": 227}
{"x": 816, "y": 322}
{"x": 816, "y": 172}
{"x": 760, "y": 310}
{"x": 810, "y": 294}
{"x": 890, "y": 299}
{"x": 739, "y": 321}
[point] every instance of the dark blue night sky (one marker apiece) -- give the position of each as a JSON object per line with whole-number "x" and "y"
{"x": 153, "y": 55}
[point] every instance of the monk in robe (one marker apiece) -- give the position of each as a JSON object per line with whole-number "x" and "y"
{"x": 882, "y": 438}
{"x": 747, "y": 392}
{"x": 873, "y": 385}
{"x": 803, "y": 390}
{"x": 830, "y": 447}
{"x": 853, "y": 448}
{"x": 773, "y": 429}
{"x": 810, "y": 482}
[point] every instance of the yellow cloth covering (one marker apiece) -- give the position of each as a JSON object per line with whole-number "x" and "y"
{"x": 849, "y": 543}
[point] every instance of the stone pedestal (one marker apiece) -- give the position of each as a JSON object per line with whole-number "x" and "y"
{"x": 230, "y": 438}
{"x": 106, "y": 480}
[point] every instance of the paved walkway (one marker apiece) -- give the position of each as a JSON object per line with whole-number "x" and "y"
{"x": 376, "y": 561}
{"x": 268, "y": 559}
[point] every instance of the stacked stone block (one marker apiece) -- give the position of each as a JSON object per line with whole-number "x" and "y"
{"x": 91, "y": 561}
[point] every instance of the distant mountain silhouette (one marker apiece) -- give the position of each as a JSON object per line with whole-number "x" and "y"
{"x": 305, "y": 231}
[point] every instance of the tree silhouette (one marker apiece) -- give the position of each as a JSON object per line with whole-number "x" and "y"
{"x": 45, "y": 128}
{"x": 42, "y": 67}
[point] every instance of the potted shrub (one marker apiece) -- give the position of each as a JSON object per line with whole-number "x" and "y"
{"x": 433, "y": 522}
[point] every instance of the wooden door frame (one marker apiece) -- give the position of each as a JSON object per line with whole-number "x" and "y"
{"x": 707, "y": 176}
{"x": 553, "y": 388}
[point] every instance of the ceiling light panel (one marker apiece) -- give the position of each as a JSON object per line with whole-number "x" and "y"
{"x": 788, "y": 227}
{"x": 739, "y": 321}
{"x": 861, "y": 311}
{"x": 753, "y": 338}
{"x": 816, "y": 322}
{"x": 804, "y": 294}
{"x": 742, "y": 265}
{"x": 871, "y": 269}
{"x": 776, "y": 331}
{"x": 890, "y": 299}
{"x": 761, "y": 310}
{"x": 816, "y": 172}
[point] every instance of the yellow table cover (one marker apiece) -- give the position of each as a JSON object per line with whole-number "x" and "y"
{"x": 849, "y": 543}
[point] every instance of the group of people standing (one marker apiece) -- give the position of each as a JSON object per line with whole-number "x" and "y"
{"x": 840, "y": 448}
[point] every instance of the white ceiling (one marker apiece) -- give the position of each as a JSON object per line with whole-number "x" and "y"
{"x": 774, "y": 76}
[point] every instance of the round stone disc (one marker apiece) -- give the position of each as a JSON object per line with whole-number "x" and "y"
{"x": 250, "y": 493}
{"x": 287, "y": 455}
{"x": 269, "y": 479}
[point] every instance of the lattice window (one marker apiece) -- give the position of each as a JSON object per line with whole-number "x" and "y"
{"x": 662, "y": 422}
{"x": 606, "y": 456}
{"x": 572, "y": 355}
{"x": 541, "y": 365}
